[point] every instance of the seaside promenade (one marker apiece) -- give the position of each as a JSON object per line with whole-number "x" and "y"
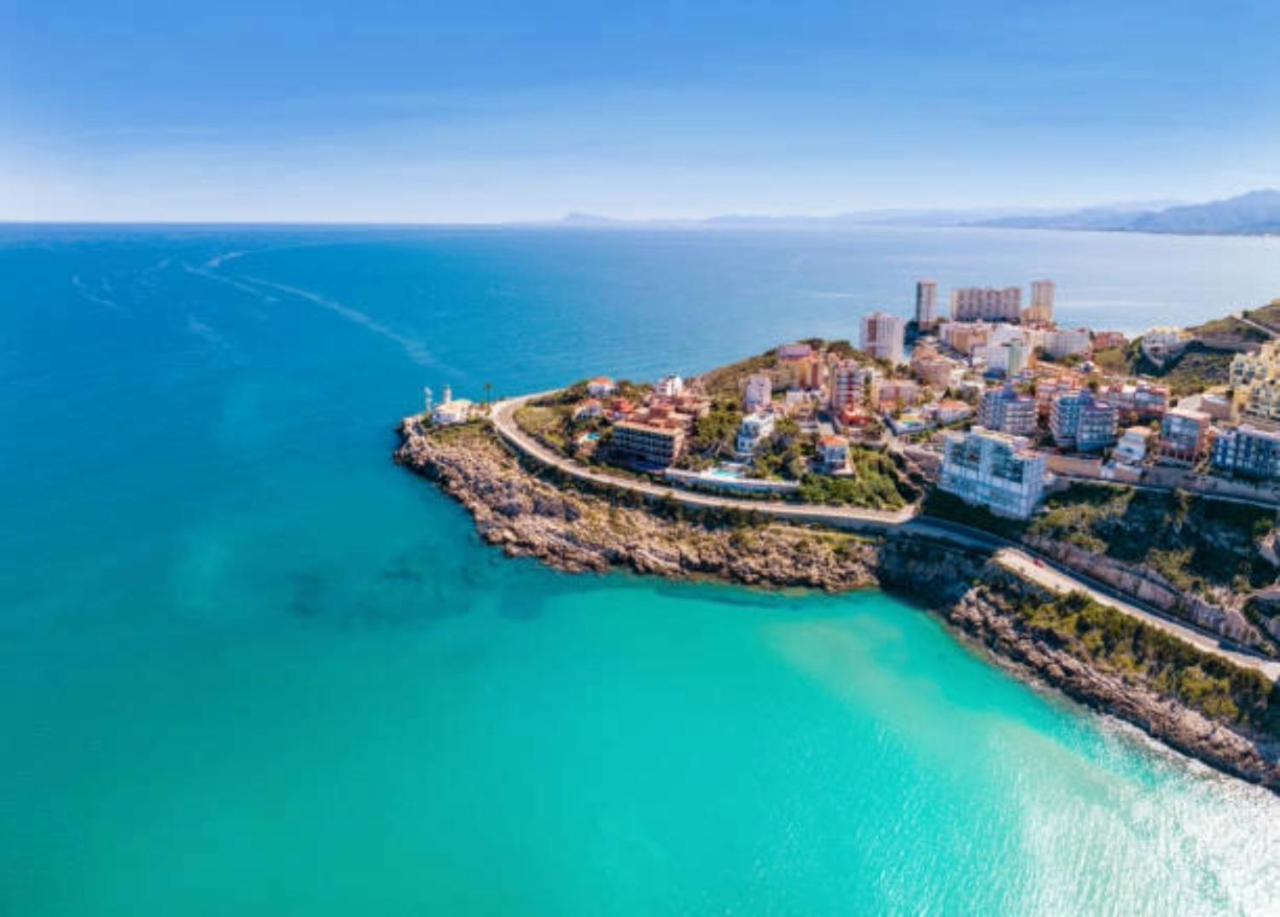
{"x": 1042, "y": 571}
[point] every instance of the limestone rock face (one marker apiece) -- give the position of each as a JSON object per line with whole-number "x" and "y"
{"x": 572, "y": 531}
{"x": 982, "y": 614}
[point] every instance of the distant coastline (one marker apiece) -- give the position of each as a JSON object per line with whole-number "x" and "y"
{"x": 1256, "y": 213}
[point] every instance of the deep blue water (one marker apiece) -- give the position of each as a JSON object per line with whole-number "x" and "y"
{"x": 249, "y": 666}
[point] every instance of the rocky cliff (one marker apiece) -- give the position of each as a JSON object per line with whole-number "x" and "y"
{"x": 572, "y": 531}
{"x": 986, "y": 614}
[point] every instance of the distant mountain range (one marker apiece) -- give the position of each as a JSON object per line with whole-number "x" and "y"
{"x": 1255, "y": 213}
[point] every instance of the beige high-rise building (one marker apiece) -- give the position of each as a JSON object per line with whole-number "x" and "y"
{"x": 1041, "y": 308}
{"x": 986, "y": 304}
{"x": 882, "y": 336}
{"x": 926, "y": 305}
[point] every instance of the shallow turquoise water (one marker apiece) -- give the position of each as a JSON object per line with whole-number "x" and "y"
{"x": 247, "y": 666}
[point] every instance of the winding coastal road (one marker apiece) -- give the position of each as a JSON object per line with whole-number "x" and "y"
{"x": 1043, "y": 571}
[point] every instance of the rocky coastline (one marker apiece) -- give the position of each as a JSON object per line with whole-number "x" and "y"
{"x": 528, "y": 515}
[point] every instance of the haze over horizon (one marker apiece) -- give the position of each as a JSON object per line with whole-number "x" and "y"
{"x": 499, "y": 111}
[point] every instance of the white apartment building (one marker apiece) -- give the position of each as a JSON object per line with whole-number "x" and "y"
{"x": 1009, "y": 357}
{"x": 1007, "y": 348}
{"x": 1068, "y": 342}
{"x": 999, "y": 472}
{"x": 882, "y": 336}
{"x": 601, "y": 387}
{"x": 669, "y": 387}
{"x": 1262, "y": 400}
{"x": 1161, "y": 344}
{"x": 973, "y": 304}
{"x": 1248, "y": 368}
{"x": 1133, "y": 445}
{"x": 1018, "y": 360}
{"x": 754, "y": 430}
{"x": 759, "y": 392}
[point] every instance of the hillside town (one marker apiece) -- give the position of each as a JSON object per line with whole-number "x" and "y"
{"x": 994, "y": 403}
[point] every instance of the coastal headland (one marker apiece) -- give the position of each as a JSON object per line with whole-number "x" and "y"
{"x": 1098, "y": 514}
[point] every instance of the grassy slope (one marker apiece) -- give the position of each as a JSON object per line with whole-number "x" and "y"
{"x": 1205, "y": 362}
{"x": 1193, "y": 542}
{"x": 1199, "y": 366}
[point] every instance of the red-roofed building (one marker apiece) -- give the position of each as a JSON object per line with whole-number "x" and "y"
{"x": 833, "y": 451}
{"x": 589, "y": 409}
{"x": 601, "y": 387}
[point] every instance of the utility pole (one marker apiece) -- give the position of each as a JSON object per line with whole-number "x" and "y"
{"x": 488, "y": 393}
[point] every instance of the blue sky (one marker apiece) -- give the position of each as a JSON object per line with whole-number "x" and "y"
{"x": 481, "y": 111}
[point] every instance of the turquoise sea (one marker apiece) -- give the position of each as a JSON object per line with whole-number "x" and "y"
{"x": 248, "y": 666}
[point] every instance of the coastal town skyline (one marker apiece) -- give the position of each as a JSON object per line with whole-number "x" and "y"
{"x": 1000, "y": 400}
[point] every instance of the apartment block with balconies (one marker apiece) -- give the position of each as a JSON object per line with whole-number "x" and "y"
{"x": 996, "y": 471}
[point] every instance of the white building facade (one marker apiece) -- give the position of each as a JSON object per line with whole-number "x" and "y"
{"x": 996, "y": 471}
{"x": 759, "y": 392}
{"x": 986, "y": 304}
{"x": 754, "y": 429}
{"x": 882, "y": 336}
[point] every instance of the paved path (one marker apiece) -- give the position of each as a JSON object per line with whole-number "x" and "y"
{"x": 1041, "y": 570}
{"x": 1057, "y": 581}
{"x": 1269, "y": 332}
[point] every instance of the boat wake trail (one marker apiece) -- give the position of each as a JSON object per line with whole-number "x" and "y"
{"x": 229, "y": 281}
{"x": 218, "y": 260}
{"x": 93, "y": 296}
{"x": 416, "y": 350}
{"x": 215, "y": 339}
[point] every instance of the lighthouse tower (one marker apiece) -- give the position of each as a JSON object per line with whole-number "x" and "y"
{"x": 428, "y": 401}
{"x": 448, "y": 394}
